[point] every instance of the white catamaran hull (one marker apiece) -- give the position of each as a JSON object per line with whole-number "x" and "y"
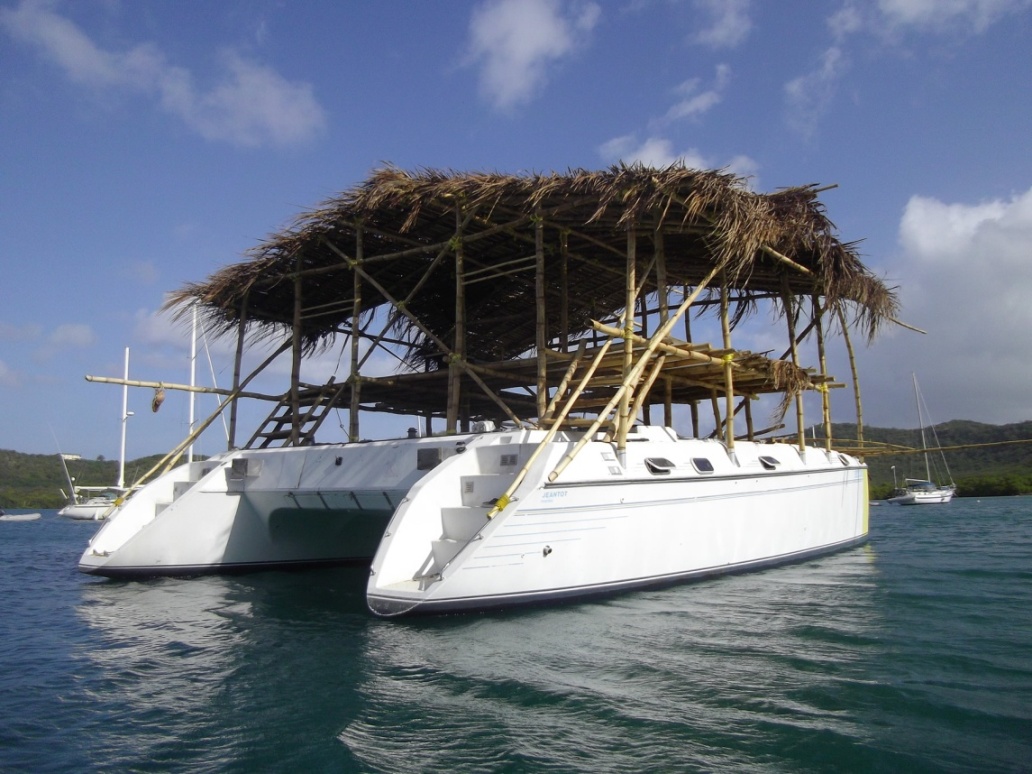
{"x": 673, "y": 510}
{"x": 261, "y": 509}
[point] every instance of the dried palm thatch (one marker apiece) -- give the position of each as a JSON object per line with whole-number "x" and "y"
{"x": 404, "y": 220}
{"x": 537, "y": 258}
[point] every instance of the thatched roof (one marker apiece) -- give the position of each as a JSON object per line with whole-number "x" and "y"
{"x": 402, "y": 222}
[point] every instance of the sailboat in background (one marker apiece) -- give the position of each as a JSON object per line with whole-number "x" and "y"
{"x": 917, "y": 491}
{"x": 94, "y": 503}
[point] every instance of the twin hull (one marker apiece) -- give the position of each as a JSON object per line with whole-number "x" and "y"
{"x": 670, "y": 509}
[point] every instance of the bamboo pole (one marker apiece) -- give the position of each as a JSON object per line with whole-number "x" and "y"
{"x": 295, "y": 365}
{"x": 664, "y": 315}
{"x": 237, "y": 360}
{"x": 657, "y": 337}
{"x": 541, "y": 315}
{"x": 169, "y": 460}
{"x": 729, "y": 387}
{"x": 181, "y": 387}
{"x": 623, "y": 419}
{"x": 356, "y": 313}
{"x": 790, "y": 317}
{"x": 403, "y": 308}
{"x": 718, "y": 425}
{"x": 823, "y": 361}
{"x": 855, "y": 374}
{"x": 643, "y": 391}
{"x": 459, "y": 344}
{"x": 564, "y": 290}
{"x": 565, "y": 382}
{"x": 506, "y": 497}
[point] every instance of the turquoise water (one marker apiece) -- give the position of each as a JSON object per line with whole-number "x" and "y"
{"x": 912, "y": 653}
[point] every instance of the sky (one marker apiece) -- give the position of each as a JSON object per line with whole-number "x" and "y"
{"x": 146, "y": 144}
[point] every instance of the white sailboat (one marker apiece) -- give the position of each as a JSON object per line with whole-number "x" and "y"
{"x": 582, "y": 495}
{"x": 923, "y": 491}
{"x": 95, "y": 503}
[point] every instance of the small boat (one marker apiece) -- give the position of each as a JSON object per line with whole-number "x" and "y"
{"x": 95, "y": 503}
{"x": 5, "y": 516}
{"x": 87, "y": 503}
{"x": 923, "y": 491}
{"x": 917, "y": 491}
{"x": 544, "y": 322}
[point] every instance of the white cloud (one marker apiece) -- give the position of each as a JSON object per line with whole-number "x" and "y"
{"x": 251, "y": 105}
{"x": 65, "y": 338}
{"x": 694, "y": 102}
{"x": 977, "y": 15}
{"x": 659, "y": 152}
{"x": 964, "y": 279}
{"x": 729, "y": 23}
{"x": 515, "y": 41}
{"x": 809, "y": 96}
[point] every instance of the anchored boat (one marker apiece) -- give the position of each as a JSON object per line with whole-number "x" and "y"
{"x": 551, "y": 331}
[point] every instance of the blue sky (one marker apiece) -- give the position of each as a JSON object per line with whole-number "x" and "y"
{"x": 146, "y": 144}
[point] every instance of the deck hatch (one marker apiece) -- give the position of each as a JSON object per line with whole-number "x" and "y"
{"x": 659, "y": 465}
{"x": 702, "y": 464}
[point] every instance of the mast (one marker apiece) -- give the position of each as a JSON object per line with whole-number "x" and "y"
{"x": 193, "y": 374}
{"x": 920, "y": 422}
{"x": 125, "y": 415}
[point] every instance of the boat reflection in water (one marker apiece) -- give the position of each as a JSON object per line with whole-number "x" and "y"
{"x": 703, "y": 672}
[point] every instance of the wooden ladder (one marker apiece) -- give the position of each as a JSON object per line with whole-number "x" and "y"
{"x": 313, "y": 403}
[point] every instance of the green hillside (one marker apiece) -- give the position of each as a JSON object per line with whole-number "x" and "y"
{"x": 994, "y": 465}
{"x": 36, "y": 480}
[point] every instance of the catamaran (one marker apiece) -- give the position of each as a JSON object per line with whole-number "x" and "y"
{"x": 545, "y": 324}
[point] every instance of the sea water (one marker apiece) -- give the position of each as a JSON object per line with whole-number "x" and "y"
{"x": 911, "y": 653}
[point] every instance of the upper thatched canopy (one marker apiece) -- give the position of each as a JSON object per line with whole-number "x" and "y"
{"x": 404, "y": 230}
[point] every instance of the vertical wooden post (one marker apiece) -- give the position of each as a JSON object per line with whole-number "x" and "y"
{"x": 641, "y": 400}
{"x": 459, "y": 348}
{"x": 541, "y": 323}
{"x": 295, "y": 366}
{"x": 751, "y": 433}
{"x": 664, "y": 315}
{"x": 356, "y": 313}
{"x": 823, "y": 360}
{"x": 856, "y": 376}
{"x": 623, "y": 414}
{"x": 564, "y": 290}
{"x": 693, "y": 406}
{"x": 241, "y": 329}
{"x": 718, "y": 425}
{"x": 790, "y": 316}
{"x": 729, "y": 386}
